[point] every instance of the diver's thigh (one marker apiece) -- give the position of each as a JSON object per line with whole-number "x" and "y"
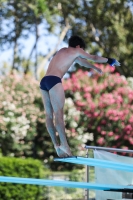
{"x": 57, "y": 97}
{"x": 46, "y": 102}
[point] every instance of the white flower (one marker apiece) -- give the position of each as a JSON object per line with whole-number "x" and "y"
{"x": 73, "y": 124}
{"x": 9, "y": 105}
{"x": 3, "y": 132}
{"x": 85, "y": 137}
{"x": 20, "y": 129}
{"x": 130, "y": 81}
{"x": 4, "y": 103}
{"x": 123, "y": 77}
{"x": 10, "y": 113}
{"x": 26, "y": 127}
{"x": 6, "y": 119}
{"x": 77, "y": 96}
{"x": 79, "y": 137}
{"x": 88, "y": 136}
{"x": 69, "y": 102}
{"x": 15, "y": 128}
{"x": 23, "y": 120}
{"x": 80, "y": 130}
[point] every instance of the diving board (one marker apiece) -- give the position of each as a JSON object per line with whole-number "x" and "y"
{"x": 97, "y": 163}
{"x": 70, "y": 184}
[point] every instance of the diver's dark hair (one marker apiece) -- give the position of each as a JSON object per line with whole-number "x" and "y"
{"x": 75, "y": 41}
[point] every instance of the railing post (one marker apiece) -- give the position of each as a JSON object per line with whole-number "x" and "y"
{"x": 87, "y": 177}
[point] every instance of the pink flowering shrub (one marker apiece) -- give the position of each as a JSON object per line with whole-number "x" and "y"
{"x": 106, "y": 106}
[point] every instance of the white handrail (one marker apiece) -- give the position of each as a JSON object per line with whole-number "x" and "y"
{"x": 108, "y": 149}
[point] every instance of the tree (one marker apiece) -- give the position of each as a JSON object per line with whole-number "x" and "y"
{"x": 52, "y": 52}
{"x": 105, "y": 25}
{"x": 19, "y": 18}
{"x": 26, "y": 17}
{"x": 96, "y": 21}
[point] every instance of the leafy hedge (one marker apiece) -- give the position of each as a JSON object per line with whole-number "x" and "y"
{"x": 26, "y": 168}
{"x": 29, "y": 168}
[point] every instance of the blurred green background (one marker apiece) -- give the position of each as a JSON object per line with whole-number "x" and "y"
{"x": 98, "y": 109}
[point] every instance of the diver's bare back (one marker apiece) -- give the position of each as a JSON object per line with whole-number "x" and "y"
{"x": 61, "y": 62}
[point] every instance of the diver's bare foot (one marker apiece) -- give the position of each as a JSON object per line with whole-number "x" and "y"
{"x": 60, "y": 152}
{"x": 66, "y": 150}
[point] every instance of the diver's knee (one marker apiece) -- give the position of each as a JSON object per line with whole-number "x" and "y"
{"x": 58, "y": 113}
{"x": 49, "y": 116}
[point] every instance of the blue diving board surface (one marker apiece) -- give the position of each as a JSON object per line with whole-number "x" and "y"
{"x": 97, "y": 163}
{"x": 69, "y": 184}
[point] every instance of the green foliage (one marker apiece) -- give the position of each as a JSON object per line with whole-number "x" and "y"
{"x": 40, "y": 7}
{"x": 71, "y": 193}
{"x": 105, "y": 25}
{"x": 24, "y": 15}
{"x": 26, "y": 168}
{"x": 20, "y": 19}
{"x": 29, "y": 168}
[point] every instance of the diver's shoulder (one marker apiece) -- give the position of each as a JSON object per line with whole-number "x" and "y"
{"x": 62, "y": 49}
{"x": 68, "y": 50}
